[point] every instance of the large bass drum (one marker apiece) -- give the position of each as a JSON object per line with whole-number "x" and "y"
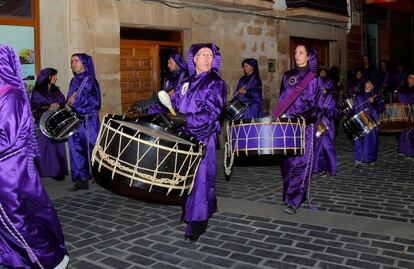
{"x": 143, "y": 160}
{"x": 396, "y": 117}
{"x": 264, "y": 136}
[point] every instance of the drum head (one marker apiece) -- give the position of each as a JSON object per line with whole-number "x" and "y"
{"x": 59, "y": 124}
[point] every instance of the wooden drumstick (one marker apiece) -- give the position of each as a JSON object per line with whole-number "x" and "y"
{"x": 74, "y": 96}
{"x": 166, "y": 101}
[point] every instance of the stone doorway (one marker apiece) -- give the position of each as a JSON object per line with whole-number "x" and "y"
{"x": 143, "y": 61}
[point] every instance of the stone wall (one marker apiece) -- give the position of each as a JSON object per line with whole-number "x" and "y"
{"x": 93, "y": 27}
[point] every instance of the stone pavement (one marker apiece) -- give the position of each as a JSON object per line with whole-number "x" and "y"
{"x": 358, "y": 219}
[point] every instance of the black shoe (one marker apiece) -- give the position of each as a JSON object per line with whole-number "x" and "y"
{"x": 290, "y": 209}
{"x": 59, "y": 178}
{"x": 79, "y": 186}
{"x": 192, "y": 238}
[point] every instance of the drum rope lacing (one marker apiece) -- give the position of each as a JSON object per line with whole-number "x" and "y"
{"x": 229, "y": 151}
{"x": 178, "y": 181}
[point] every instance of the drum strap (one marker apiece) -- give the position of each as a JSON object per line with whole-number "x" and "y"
{"x": 285, "y": 103}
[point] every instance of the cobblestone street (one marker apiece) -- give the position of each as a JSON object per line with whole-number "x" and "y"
{"x": 358, "y": 219}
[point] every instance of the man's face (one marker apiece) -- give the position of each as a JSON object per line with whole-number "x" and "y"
{"x": 301, "y": 56}
{"x": 76, "y": 65}
{"x": 172, "y": 65}
{"x": 203, "y": 60}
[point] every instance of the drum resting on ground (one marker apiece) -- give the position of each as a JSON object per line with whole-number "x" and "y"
{"x": 141, "y": 159}
{"x": 264, "y": 136}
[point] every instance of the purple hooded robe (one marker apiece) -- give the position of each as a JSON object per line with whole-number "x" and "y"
{"x": 297, "y": 171}
{"x": 201, "y": 98}
{"x": 51, "y": 161}
{"x": 175, "y": 77}
{"x": 366, "y": 148}
{"x": 253, "y": 84}
{"x": 87, "y": 104}
{"x": 406, "y": 138}
{"x": 325, "y": 159}
{"x": 30, "y": 231}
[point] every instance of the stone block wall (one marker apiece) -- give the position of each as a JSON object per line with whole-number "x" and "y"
{"x": 69, "y": 26}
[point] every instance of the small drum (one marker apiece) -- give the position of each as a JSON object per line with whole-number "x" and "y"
{"x": 346, "y": 105}
{"x": 142, "y": 160}
{"x": 396, "y": 117}
{"x": 265, "y": 136}
{"x": 359, "y": 125}
{"x": 59, "y": 124}
{"x": 321, "y": 128}
{"x": 236, "y": 109}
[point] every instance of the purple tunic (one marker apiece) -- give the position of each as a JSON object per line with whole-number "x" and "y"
{"x": 202, "y": 104}
{"x": 87, "y": 105}
{"x": 253, "y": 97}
{"x": 253, "y": 84}
{"x": 366, "y": 148}
{"x": 51, "y": 161}
{"x": 30, "y": 232}
{"x": 406, "y": 138}
{"x": 296, "y": 171}
{"x": 325, "y": 159}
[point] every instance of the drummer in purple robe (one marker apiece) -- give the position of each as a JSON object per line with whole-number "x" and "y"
{"x": 199, "y": 100}
{"x": 178, "y": 71}
{"x": 366, "y": 147}
{"x": 30, "y": 231}
{"x": 51, "y": 161}
{"x": 249, "y": 89}
{"x": 406, "y": 96}
{"x": 84, "y": 97}
{"x": 297, "y": 171}
{"x": 325, "y": 160}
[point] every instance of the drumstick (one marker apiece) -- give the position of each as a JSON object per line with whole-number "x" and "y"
{"x": 166, "y": 101}
{"x": 74, "y": 95}
{"x": 374, "y": 96}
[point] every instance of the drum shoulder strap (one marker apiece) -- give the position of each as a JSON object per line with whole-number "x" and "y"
{"x": 82, "y": 86}
{"x": 288, "y": 100}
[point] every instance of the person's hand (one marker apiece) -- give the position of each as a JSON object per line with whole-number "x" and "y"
{"x": 171, "y": 93}
{"x": 179, "y": 120}
{"x": 371, "y": 99}
{"x": 54, "y": 106}
{"x": 243, "y": 90}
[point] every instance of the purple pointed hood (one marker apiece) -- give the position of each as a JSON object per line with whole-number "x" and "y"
{"x": 10, "y": 69}
{"x": 193, "y": 51}
{"x": 87, "y": 63}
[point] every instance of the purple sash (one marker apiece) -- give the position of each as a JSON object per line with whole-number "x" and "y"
{"x": 285, "y": 103}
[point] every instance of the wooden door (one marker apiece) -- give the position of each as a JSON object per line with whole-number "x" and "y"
{"x": 139, "y": 78}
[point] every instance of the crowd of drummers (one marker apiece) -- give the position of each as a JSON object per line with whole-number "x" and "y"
{"x": 375, "y": 101}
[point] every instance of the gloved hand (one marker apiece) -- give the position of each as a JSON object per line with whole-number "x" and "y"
{"x": 179, "y": 120}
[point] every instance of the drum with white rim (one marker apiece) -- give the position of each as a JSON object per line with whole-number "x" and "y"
{"x": 396, "y": 117}
{"x": 59, "y": 124}
{"x": 264, "y": 136}
{"x": 143, "y": 160}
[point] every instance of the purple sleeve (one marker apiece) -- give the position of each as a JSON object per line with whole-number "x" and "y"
{"x": 88, "y": 100}
{"x": 11, "y": 111}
